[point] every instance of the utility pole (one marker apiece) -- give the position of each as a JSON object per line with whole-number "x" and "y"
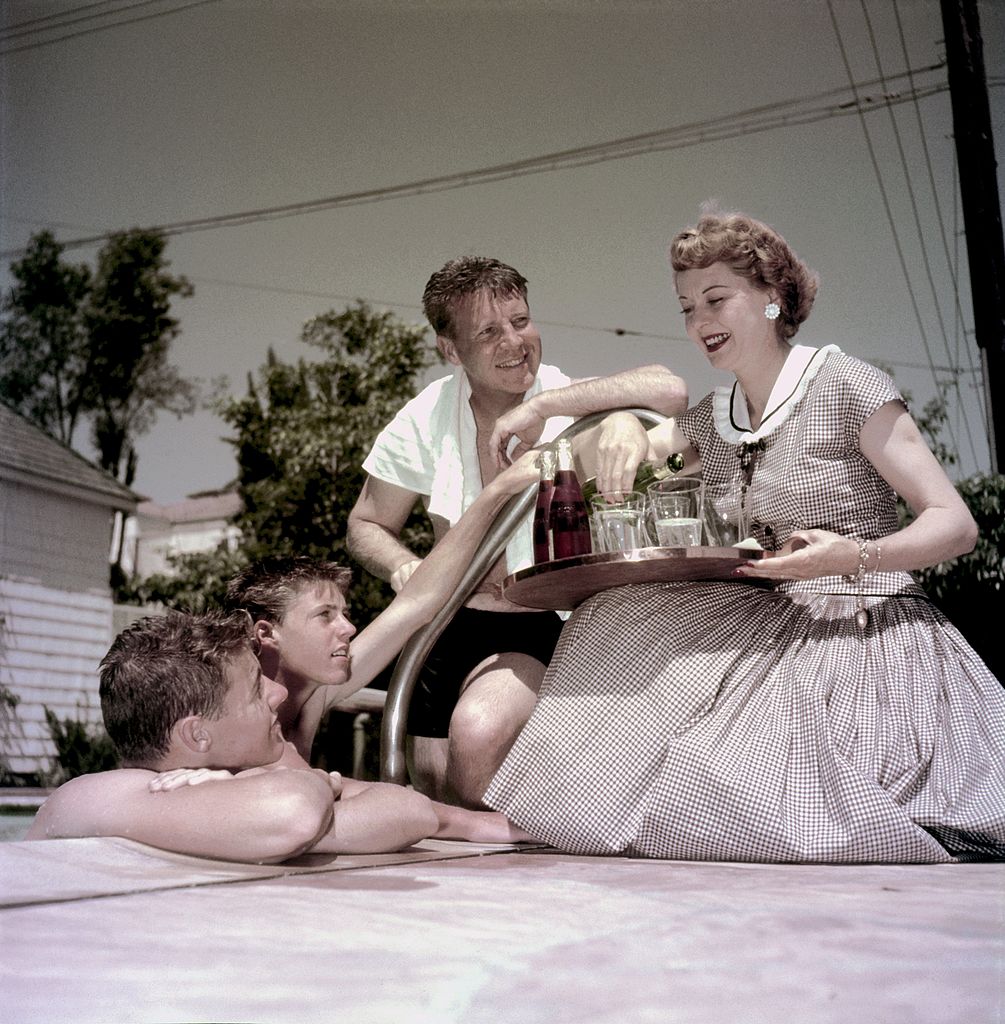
{"x": 982, "y": 220}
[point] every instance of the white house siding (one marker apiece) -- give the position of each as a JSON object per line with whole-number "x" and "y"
{"x": 56, "y": 515}
{"x": 52, "y": 643}
{"x": 54, "y": 539}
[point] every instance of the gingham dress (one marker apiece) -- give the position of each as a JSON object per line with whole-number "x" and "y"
{"x": 727, "y": 721}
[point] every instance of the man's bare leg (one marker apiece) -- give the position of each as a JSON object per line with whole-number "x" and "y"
{"x": 496, "y": 700}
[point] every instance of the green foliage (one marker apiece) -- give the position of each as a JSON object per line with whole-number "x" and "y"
{"x": 77, "y": 345}
{"x": 80, "y": 748}
{"x": 43, "y": 340}
{"x": 196, "y": 583}
{"x": 970, "y": 590}
{"x": 8, "y": 703}
{"x": 932, "y": 420}
{"x": 304, "y": 428}
{"x": 984, "y": 568}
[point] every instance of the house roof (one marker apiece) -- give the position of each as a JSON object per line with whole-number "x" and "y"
{"x": 198, "y": 508}
{"x": 29, "y": 455}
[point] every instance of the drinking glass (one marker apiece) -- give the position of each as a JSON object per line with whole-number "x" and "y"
{"x": 675, "y": 508}
{"x": 619, "y": 524}
{"x": 722, "y": 513}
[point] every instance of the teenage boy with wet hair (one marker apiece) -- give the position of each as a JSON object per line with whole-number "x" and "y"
{"x": 194, "y": 720}
{"x": 188, "y": 704}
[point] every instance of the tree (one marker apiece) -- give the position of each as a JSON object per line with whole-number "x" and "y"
{"x": 194, "y": 582}
{"x": 970, "y": 590}
{"x": 130, "y": 331}
{"x": 75, "y": 345}
{"x": 301, "y": 434}
{"x": 43, "y": 339}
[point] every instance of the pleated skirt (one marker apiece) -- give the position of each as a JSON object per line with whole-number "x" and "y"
{"x": 723, "y": 721}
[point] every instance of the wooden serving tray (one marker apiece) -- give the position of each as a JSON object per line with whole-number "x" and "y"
{"x": 563, "y": 584}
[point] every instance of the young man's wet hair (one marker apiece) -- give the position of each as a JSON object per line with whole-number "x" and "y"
{"x": 163, "y": 668}
{"x": 266, "y": 589}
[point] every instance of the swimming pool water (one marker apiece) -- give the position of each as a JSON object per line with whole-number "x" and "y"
{"x": 13, "y": 825}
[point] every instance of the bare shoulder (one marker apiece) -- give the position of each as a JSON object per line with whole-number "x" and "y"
{"x": 85, "y": 806}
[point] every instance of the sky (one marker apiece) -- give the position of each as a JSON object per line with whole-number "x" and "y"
{"x": 140, "y": 113}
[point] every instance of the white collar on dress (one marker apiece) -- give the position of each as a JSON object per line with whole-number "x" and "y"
{"x": 729, "y": 404}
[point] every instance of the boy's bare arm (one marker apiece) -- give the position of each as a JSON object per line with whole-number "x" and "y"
{"x": 260, "y": 818}
{"x": 377, "y": 817}
{"x": 477, "y": 826}
{"x": 432, "y": 583}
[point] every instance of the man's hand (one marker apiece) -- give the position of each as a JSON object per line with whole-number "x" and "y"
{"x": 178, "y": 777}
{"x": 522, "y": 423}
{"x": 400, "y": 575}
{"x": 621, "y": 445}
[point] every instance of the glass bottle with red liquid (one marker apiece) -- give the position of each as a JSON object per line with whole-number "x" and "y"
{"x": 542, "y": 511}
{"x": 570, "y": 522}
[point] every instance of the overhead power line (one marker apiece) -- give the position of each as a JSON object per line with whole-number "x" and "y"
{"x": 891, "y": 220}
{"x": 96, "y": 28}
{"x": 923, "y": 246}
{"x": 620, "y": 332}
{"x": 34, "y": 24}
{"x": 757, "y": 119}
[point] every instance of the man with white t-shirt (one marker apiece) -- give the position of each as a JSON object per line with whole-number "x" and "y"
{"x": 480, "y": 681}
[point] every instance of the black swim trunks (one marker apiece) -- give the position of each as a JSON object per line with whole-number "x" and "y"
{"x": 469, "y": 638}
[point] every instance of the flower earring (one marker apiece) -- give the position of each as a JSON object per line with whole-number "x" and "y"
{"x": 772, "y": 311}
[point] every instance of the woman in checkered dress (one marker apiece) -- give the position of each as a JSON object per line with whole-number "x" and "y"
{"x": 818, "y": 709}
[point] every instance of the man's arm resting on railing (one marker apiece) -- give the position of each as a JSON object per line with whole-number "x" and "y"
{"x": 648, "y": 387}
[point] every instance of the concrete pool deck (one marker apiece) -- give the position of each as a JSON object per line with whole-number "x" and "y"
{"x": 107, "y": 930}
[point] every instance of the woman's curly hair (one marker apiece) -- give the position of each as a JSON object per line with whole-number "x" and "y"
{"x": 755, "y": 251}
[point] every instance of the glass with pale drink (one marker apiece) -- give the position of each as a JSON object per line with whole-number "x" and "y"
{"x": 675, "y": 510}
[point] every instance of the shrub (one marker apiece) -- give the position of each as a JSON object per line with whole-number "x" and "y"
{"x": 81, "y": 748}
{"x": 970, "y": 590}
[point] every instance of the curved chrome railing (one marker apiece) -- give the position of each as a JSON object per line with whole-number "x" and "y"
{"x": 406, "y": 671}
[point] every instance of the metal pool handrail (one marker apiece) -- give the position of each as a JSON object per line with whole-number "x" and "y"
{"x": 406, "y": 671}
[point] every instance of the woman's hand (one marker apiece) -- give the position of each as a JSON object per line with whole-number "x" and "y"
{"x": 805, "y": 555}
{"x": 621, "y": 445}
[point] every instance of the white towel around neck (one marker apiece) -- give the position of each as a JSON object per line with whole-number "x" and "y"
{"x": 457, "y": 478}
